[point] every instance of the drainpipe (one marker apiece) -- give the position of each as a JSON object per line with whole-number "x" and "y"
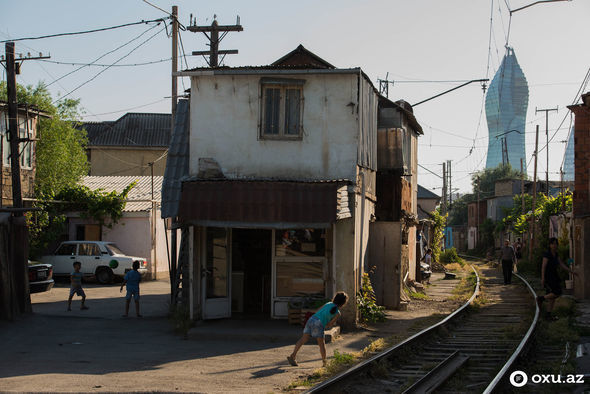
{"x": 363, "y": 194}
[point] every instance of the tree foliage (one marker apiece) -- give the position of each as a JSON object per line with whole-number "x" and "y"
{"x": 45, "y": 227}
{"x": 485, "y": 180}
{"x": 438, "y": 232}
{"x": 61, "y": 150}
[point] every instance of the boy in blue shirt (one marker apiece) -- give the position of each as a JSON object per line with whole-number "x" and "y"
{"x": 324, "y": 318}
{"x": 132, "y": 279}
{"x": 76, "y": 286}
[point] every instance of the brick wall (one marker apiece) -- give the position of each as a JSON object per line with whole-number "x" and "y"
{"x": 582, "y": 157}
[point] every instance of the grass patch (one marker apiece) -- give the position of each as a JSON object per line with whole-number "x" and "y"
{"x": 416, "y": 295}
{"x": 464, "y": 290}
{"x": 343, "y": 361}
{"x": 456, "y": 267}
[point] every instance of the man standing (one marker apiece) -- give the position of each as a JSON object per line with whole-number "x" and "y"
{"x": 508, "y": 259}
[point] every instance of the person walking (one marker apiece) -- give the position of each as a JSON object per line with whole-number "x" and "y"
{"x": 132, "y": 279}
{"x": 324, "y": 318}
{"x": 550, "y": 279}
{"x": 508, "y": 260}
{"x": 76, "y": 287}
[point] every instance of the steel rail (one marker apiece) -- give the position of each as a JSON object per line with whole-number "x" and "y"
{"x": 361, "y": 366}
{"x": 500, "y": 375}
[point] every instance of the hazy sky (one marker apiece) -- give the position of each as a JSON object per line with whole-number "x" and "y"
{"x": 414, "y": 41}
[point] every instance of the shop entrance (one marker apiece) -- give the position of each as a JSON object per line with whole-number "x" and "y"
{"x": 251, "y": 275}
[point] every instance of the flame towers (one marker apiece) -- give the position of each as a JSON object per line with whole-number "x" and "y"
{"x": 506, "y": 105}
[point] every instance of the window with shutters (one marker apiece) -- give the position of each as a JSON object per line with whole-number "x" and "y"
{"x": 281, "y": 109}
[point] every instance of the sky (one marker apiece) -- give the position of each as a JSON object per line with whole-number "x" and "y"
{"x": 423, "y": 46}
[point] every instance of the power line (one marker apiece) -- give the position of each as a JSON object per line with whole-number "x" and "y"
{"x": 132, "y": 108}
{"x": 106, "y": 68}
{"x": 87, "y": 31}
{"x": 103, "y": 55}
{"x": 106, "y": 65}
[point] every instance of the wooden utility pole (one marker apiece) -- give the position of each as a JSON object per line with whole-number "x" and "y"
{"x": 522, "y": 184}
{"x": 547, "y": 110}
{"x": 532, "y": 232}
{"x": 450, "y": 183}
{"x": 477, "y": 234}
{"x": 444, "y": 210}
{"x": 174, "y": 63}
{"x": 17, "y": 199}
{"x": 215, "y": 39}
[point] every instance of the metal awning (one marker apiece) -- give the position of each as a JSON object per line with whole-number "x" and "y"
{"x": 264, "y": 204}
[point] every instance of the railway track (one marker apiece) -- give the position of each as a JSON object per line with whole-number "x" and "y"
{"x": 471, "y": 350}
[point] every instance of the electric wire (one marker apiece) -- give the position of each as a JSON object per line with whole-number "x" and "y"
{"x": 106, "y": 68}
{"x": 86, "y": 31}
{"x": 132, "y": 108}
{"x": 103, "y": 55}
{"x": 106, "y": 65}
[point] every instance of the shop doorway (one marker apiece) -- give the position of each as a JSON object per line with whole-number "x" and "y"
{"x": 251, "y": 281}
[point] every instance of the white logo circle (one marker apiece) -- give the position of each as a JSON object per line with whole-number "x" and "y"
{"x": 518, "y": 378}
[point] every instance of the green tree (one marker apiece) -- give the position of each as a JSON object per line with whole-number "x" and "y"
{"x": 438, "y": 232}
{"x": 61, "y": 150}
{"x": 485, "y": 180}
{"x": 459, "y": 212}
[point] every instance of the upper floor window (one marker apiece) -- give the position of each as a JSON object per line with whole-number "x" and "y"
{"x": 281, "y": 108}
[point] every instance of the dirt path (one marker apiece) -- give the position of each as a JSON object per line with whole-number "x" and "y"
{"x": 56, "y": 351}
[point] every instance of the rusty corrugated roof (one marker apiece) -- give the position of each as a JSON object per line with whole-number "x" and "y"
{"x": 142, "y": 191}
{"x": 132, "y": 129}
{"x": 267, "y": 203}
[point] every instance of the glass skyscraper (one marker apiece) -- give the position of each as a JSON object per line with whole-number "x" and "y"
{"x": 506, "y": 105}
{"x": 568, "y": 159}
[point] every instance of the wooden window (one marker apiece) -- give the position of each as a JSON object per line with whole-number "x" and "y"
{"x": 281, "y": 109}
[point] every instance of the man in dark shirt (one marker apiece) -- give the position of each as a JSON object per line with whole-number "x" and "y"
{"x": 508, "y": 259}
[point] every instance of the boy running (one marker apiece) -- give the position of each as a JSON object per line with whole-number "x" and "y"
{"x": 132, "y": 279}
{"x": 76, "y": 286}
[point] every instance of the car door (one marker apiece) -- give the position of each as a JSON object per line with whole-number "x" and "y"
{"x": 89, "y": 256}
{"x": 63, "y": 259}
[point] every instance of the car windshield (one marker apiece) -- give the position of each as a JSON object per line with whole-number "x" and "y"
{"x": 113, "y": 249}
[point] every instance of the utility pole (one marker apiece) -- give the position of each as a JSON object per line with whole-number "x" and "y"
{"x": 547, "y": 110}
{"x": 477, "y": 232}
{"x": 214, "y": 39}
{"x": 532, "y": 232}
{"x": 522, "y": 184}
{"x": 174, "y": 63}
{"x": 173, "y": 235}
{"x": 384, "y": 85}
{"x": 15, "y": 297}
{"x": 17, "y": 199}
{"x": 450, "y": 184}
{"x": 444, "y": 193}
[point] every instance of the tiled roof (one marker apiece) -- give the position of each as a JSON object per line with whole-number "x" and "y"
{"x": 142, "y": 191}
{"x": 426, "y": 194}
{"x": 132, "y": 129}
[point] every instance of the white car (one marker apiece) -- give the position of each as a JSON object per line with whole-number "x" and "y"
{"x": 104, "y": 260}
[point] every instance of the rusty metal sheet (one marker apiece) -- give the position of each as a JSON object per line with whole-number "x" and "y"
{"x": 259, "y": 201}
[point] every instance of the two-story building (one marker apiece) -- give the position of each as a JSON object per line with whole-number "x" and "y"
{"x": 28, "y": 122}
{"x": 277, "y": 183}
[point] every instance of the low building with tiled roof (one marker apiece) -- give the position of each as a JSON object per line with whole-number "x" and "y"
{"x": 128, "y": 145}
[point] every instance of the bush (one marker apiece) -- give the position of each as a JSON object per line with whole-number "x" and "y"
{"x": 450, "y": 256}
{"x": 367, "y": 303}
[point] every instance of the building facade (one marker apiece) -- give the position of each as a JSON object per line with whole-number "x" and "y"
{"x": 28, "y": 121}
{"x": 281, "y": 184}
{"x": 135, "y": 144}
{"x": 581, "y": 198}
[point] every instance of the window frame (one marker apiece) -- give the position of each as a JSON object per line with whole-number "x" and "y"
{"x": 283, "y": 84}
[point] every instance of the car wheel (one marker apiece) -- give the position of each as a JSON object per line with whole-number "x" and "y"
{"x": 104, "y": 275}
